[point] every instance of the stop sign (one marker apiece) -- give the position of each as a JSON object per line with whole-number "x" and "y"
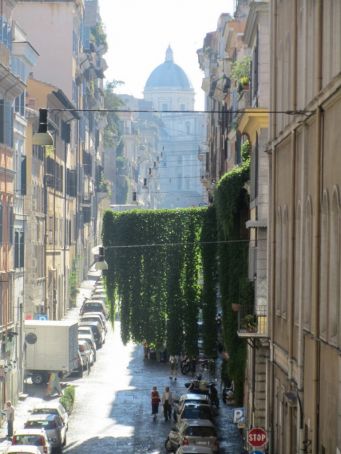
{"x": 257, "y": 437}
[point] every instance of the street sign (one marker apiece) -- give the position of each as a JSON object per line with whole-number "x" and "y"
{"x": 239, "y": 417}
{"x": 257, "y": 437}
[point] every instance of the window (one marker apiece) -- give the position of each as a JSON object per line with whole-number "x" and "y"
{"x": 19, "y": 105}
{"x": 10, "y": 225}
{"x": 5, "y": 32}
{"x": 1, "y": 221}
{"x": 19, "y": 249}
{"x": 23, "y": 176}
{"x": 6, "y": 123}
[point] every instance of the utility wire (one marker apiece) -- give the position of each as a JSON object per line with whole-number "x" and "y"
{"x": 185, "y": 243}
{"x": 242, "y": 111}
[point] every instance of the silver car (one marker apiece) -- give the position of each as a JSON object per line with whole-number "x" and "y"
{"x": 200, "y": 399}
{"x": 194, "y": 432}
{"x": 54, "y": 427}
{"x": 52, "y": 408}
{"x": 194, "y": 450}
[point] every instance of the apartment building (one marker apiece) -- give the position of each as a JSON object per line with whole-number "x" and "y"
{"x": 235, "y": 59}
{"x": 17, "y": 58}
{"x": 304, "y": 272}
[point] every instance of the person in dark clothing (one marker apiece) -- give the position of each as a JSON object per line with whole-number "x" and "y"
{"x": 155, "y": 400}
{"x": 167, "y": 401}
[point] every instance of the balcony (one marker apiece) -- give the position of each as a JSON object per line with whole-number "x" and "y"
{"x": 253, "y": 321}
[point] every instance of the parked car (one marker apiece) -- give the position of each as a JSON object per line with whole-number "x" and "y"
{"x": 193, "y": 432}
{"x": 91, "y": 343}
{"x": 34, "y": 437}
{"x": 54, "y": 427}
{"x": 194, "y": 450}
{"x": 195, "y": 411}
{"x": 52, "y": 408}
{"x": 86, "y": 353}
{"x": 86, "y": 331}
{"x": 80, "y": 366}
{"x": 24, "y": 449}
{"x": 93, "y": 305}
{"x": 94, "y": 317}
{"x": 189, "y": 398}
{"x": 97, "y": 331}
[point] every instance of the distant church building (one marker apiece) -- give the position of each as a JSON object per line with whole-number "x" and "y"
{"x": 181, "y": 135}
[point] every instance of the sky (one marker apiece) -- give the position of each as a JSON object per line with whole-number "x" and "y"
{"x": 139, "y": 32}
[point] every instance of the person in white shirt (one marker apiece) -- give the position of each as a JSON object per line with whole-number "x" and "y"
{"x": 9, "y": 412}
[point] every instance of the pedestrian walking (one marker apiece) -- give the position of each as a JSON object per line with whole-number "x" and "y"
{"x": 155, "y": 400}
{"x": 9, "y": 413}
{"x": 167, "y": 402}
{"x": 53, "y": 385}
{"x": 174, "y": 365}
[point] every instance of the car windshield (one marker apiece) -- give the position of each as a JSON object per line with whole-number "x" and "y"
{"x": 45, "y": 411}
{"x": 41, "y": 423}
{"x": 94, "y": 307}
{"x": 35, "y": 440}
{"x": 194, "y": 431}
{"x": 84, "y": 331}
{"x": 196, "y": 413}
{"x": 91, "y": 319}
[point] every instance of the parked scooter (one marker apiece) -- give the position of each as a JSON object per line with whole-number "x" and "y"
{"x": 228, "y": 394}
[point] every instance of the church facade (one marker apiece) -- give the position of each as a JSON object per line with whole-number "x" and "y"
{"x": 182, "y": 133}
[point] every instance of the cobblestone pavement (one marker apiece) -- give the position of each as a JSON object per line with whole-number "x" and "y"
{"x": 112, "y": 413}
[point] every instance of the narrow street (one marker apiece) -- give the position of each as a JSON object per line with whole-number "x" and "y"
{"x": 112, "y": 413}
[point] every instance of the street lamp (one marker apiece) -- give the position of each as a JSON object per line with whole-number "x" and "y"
{"x": 42, "y": 137}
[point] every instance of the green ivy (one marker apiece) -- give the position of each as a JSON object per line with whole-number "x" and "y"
{"x": 154, "y": 265}
{"x": 209, "y": 270}
{"x": 232, "y": 205}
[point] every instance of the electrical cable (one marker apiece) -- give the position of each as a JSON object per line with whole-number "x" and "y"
{"x": 185, "y": 243}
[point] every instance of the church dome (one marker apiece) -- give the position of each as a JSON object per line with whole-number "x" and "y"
{"x": 168, "y": 75}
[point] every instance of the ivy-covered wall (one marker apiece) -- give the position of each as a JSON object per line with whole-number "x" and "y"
{"x": 157, "y": 258}
{"x": 154, "y": 264}
{"x": 232, "y": 205}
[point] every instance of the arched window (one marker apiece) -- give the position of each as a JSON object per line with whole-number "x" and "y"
{"x": 334, "y": 268}
{"x": 307, "y": 262}
{"x": 278, "y": 262}
{"x": 324, "y": 270}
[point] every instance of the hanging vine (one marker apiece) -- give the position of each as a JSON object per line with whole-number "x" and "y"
{"x": 209, "y": 270}
{"x": 232, "y": 204}
{"x": 157, "y": 285}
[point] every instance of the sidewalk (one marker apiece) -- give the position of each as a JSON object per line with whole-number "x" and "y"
{"x": 36, "y": 394}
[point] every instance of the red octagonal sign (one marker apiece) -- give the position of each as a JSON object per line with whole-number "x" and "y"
{"x": 257, "y": 437}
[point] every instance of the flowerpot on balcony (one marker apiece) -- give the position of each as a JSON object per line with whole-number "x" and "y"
{"x": 249, "y": 323}
{"x": 235, "y": 307}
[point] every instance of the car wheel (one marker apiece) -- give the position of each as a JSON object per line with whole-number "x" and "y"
{"x": 38, "y": 379}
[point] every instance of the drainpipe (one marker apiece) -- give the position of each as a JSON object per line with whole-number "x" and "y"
{"x": 318, "y": 197}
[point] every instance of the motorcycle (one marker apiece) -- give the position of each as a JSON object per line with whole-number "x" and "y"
{"x": 228, "y": 394}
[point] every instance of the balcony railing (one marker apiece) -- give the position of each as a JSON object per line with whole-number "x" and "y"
{"x": 253, "y": 321}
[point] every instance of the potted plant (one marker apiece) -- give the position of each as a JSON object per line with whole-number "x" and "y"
{"x": 240, "y": 72}
{"x": 249, "y": 323}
